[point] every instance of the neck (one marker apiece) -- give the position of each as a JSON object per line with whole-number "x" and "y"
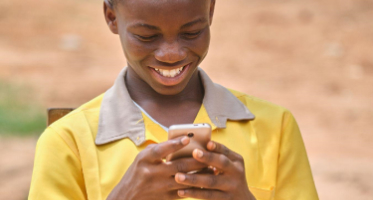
{"x": 142, "y": 93}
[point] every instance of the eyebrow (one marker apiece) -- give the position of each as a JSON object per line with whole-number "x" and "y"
{"x": 189, "y": 24}
{"x": 139, "y": 25}
{"x": 197, "y": 21}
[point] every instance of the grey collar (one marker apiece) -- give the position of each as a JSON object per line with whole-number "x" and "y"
{"x": 121, "y": 118}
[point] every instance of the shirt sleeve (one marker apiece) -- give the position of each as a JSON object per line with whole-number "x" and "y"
{"x": 294, "y": 177}
{"x": 57, "y": 172}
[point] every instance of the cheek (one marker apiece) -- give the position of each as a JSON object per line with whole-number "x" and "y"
{"x": 200, "y": 46}
{"x": 134, "y": 49}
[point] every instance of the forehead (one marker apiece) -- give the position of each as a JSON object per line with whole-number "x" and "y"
{"x": 163, "y": 12}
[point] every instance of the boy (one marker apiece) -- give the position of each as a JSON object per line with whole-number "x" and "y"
{"x": 112, "y": 147}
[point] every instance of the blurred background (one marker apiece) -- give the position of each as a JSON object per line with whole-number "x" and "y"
{"x": 314, "y": 57}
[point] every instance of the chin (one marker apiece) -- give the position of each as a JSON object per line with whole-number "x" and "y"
{"x": 169, "y": 90}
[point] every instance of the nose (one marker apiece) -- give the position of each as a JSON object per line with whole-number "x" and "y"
{"x": 170, "y": 52}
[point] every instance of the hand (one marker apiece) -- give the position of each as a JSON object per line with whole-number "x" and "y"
{"x": 150, "y": 178}
{"x": 229, "y": 184}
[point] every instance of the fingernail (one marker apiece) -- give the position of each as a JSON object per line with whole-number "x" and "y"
{"x": 181, "y": 192}
{"x": 198, "y": 153}
{"x": 181, "y": 177}
{"x": 184, "y": 140}
{"x": 211, "y": 145}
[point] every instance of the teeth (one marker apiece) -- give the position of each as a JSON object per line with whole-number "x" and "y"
{"x": 166, "y": 73}
{"x": 169, "y": 73}
{"x": 173, "y": 73}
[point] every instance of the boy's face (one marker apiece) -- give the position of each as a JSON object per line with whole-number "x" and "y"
{"x": 163, "y": 40}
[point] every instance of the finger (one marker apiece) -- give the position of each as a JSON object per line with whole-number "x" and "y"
{"x": 183, "y": 165}
{"x": 171, "y": 185}
{"x": 203, "y": 194}
{"x": 220, "y": 148}
{"x": 159, "y": 151}
{"x": 217, "y": 160}
{"x": 172, "y": 195}
{"x": 203, "y": 181}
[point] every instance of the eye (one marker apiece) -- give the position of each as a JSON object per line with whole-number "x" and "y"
{"x": 191, "y": 35}
{"x": 146, "y": 38}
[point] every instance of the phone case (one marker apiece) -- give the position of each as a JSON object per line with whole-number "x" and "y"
{"x": 199, "y": 134}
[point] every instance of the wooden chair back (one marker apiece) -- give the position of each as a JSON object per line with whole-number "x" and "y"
{"x": 55, "y": 114}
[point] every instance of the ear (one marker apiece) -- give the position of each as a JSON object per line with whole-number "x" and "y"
{"x": 110, "y": 17}
{"x": 212, "y": 9}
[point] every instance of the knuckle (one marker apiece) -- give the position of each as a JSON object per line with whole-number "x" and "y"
{"x": 224, "y": 160}
{"x": 240, "y": 158}
{"x": 180, "y": 167}
{"x": 156, "y": 151}
{"x": 213, "y": 181}
{"x": 241, "y": 169}
{"x": 145, "y": 171}
{"x": 226, "y": 151}
{"x": 210, "y": 157}
{"x": 175, "y": 144}
{"x": 192, "y": 179}
{"x": 140, "y": 157}
{"x": 218, "y": 147}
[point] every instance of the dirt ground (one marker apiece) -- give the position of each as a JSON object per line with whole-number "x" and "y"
{"x": 314, "y": 57}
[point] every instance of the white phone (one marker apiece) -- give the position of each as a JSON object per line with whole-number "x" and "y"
{"x": 199, "y": 134}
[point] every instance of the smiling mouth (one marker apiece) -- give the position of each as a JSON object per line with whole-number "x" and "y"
{"x": 170, "y": 73}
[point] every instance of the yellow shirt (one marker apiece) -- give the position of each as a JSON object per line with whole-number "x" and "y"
{"x": 85, "y": 154}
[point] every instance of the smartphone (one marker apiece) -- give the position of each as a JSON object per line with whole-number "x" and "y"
{"x": 199, "y": 134}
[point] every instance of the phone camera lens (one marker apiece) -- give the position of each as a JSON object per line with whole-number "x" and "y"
{"x": 190, "y": 135}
